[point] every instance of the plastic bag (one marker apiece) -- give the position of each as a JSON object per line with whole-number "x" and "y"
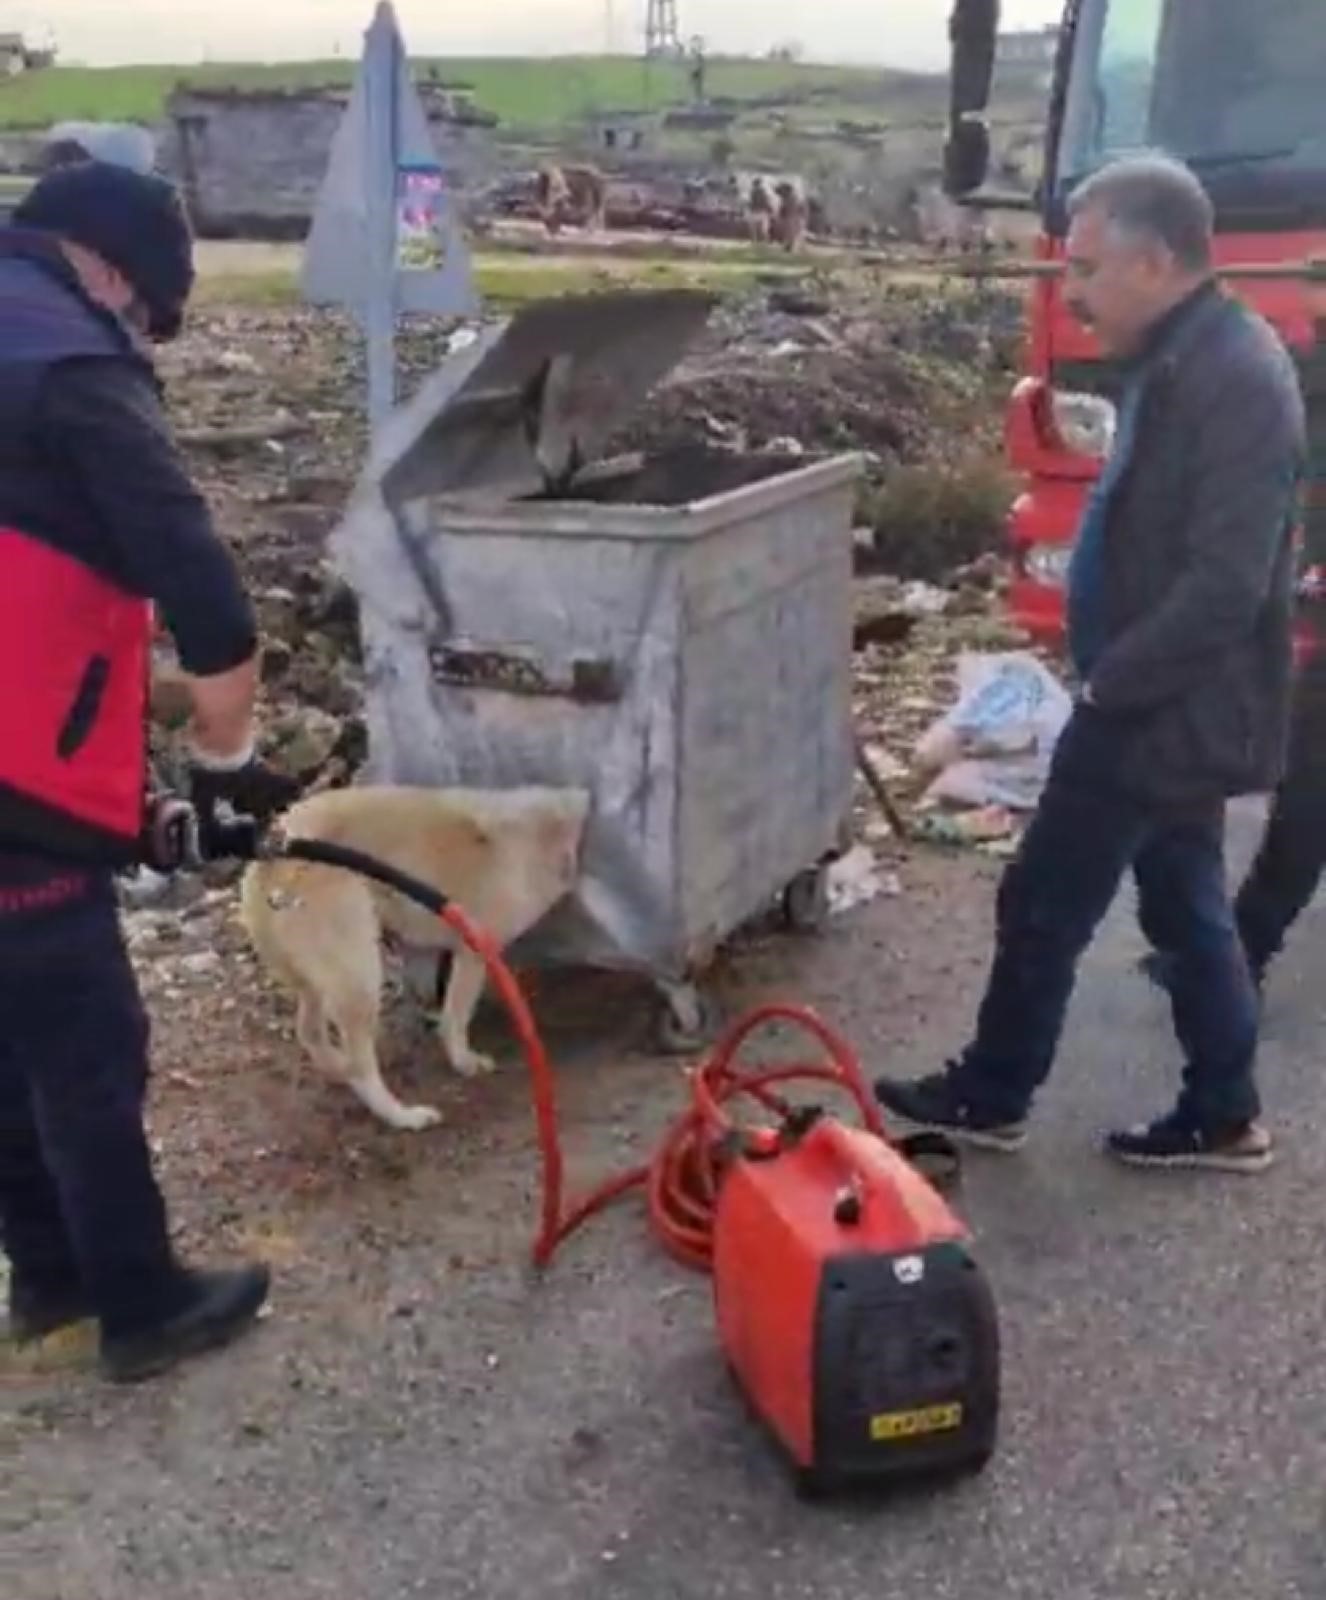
{"x": 994, "y": 746}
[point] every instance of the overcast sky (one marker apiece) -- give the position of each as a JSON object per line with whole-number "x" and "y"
{"x": 899, "y": 32}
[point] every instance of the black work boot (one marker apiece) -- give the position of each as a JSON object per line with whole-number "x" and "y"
{"x": 34, "y": 1313}
{"x": 218, "y": 1307}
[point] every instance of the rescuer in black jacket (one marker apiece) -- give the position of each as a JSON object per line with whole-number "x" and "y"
{"x": 101, "y": 532}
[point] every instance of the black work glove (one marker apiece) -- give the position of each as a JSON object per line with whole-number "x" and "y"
{"x": 235, "y": 803}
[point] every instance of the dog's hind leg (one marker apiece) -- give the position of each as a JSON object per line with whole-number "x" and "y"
{"x": 373, "y": 1092}
{"x": 464, "y": 987}
{"x": 338, "y": 969}
{"x": 357, "y": 1028}
{"x": 365, "y": 1080}
{"x": 311, "y": 1031}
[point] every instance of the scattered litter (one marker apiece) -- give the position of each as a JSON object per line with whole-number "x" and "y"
{"x": 144, "y": 888}
{"x": 856, "y": 879}
{"x": 885, "y": 763}
{"x": 886, "y": 611}
{"x": 921, "y": 599}
{"x": 237, "y": 361}
{"x": 199, "y": 962}
{"x": 994, "y": 746}
{"x": 990, "y": 826}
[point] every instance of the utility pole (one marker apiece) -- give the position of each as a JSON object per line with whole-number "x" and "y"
{"x": 662, "y": 29}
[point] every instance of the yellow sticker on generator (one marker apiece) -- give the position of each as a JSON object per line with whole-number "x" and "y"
{"x": 889, "y": 1425}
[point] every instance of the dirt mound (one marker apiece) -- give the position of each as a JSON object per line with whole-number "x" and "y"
{"x": 914, "y": 377}
{"x": 890, "y": 373}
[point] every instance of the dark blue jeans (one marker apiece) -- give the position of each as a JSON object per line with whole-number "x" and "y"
{"x": 79, "y": 1204}
{"x": 1074, "y": 855}
{"x": 1286, "y": 872}
{"x": 1289, "y": 866}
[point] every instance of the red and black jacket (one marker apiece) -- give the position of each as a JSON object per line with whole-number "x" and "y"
{"x": 98, "y": 521}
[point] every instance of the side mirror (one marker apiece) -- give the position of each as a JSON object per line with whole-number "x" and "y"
{"x": 973, "y": 31}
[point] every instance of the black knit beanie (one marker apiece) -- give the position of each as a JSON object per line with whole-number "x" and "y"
{"x": 133, "y": 221}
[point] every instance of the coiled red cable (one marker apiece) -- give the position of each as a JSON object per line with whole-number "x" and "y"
{"x": 681, "y": 1179}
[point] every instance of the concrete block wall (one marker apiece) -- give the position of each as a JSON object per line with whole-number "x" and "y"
{"x": 252, "y": 164}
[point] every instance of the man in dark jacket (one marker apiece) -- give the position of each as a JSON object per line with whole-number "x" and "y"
{"x": 99, "y": 523}
{"x": 1291, "y": 858}
{"x": 1179, "y": 613}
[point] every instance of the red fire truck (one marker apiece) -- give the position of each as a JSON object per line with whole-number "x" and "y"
{"x": 1238, "y": 90}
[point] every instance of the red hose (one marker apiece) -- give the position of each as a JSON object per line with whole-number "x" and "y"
{"x": 681, "y": 1180}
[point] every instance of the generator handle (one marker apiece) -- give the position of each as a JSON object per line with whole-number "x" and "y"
{"x": 842, "y": 1068}
{"x": 866, "y": 1177}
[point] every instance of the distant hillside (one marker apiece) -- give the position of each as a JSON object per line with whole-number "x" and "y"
{"x": 526, "y": 94}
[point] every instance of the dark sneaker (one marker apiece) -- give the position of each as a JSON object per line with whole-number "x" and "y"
{"x": 937, "y": 1103}
{"x": 1173, "y": 1143}
{"x": 221, "y": 1305}
{"x": 34, "y": 1314}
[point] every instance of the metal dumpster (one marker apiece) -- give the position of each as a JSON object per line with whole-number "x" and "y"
{"x": 673, "y": 633}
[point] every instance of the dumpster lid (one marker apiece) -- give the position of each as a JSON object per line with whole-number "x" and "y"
{"x": 539, "y": 395}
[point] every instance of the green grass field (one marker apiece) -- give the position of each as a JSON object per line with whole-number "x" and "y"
{"x": 535, "y": 94}
{"x": 237, "y": 274}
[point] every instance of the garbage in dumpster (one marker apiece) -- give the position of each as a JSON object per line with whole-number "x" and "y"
{"x": 993, "y": 748}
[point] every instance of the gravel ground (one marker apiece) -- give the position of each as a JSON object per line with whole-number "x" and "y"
{"x": 418, "y": 1416}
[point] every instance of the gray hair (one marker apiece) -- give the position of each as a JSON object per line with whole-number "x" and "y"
{"x": 1152, "y": 199}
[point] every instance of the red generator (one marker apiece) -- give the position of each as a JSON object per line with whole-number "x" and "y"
{"x": 850, "y": 1308}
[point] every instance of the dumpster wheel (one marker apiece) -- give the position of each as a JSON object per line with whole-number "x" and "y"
{"x": 806, "y": 900}
{"x": 686, "y": 1019}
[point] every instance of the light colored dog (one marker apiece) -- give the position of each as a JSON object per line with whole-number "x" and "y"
{"x": 505, "y": 857}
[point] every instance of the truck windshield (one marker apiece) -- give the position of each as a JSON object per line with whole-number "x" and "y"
{"x": 1235, "y": 87}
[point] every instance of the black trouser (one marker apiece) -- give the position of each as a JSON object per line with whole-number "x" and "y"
{"x": 1053, "y": 896}
{"x": 79, "y": 1205}
{"x": 1292, "y": 856}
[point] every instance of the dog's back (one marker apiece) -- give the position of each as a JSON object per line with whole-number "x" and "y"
{"x": 504, "y": 856}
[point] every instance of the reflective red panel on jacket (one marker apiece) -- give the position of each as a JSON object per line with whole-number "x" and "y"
{"x": 73, "y": 686}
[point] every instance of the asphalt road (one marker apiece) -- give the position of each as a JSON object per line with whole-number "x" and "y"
{"x": 1165, "y": 1388}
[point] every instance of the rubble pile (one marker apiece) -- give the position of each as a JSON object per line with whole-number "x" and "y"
{"x": 268, "y": 407}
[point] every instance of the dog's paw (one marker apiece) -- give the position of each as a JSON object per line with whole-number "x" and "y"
{"x": 471, "y": 1064}
{"x": 414, "y": 1119}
